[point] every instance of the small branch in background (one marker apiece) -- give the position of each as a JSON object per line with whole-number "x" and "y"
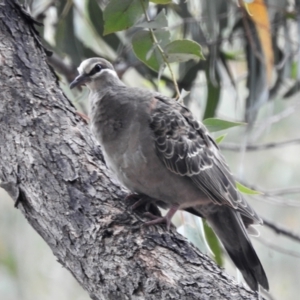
{"x": 272, "y": 193}
{"x": 273, "y": 196}
{"x": 262, "y": 126}
{"x": 281, "y": 230}
{"x": 163, "y": 55}
{"x": 278, "y": 248}
{"x": 279, "y": 201}
{"x": 281, "y": 192}
{"x": 235, "y": 147}
{"x": 69, "y": 71}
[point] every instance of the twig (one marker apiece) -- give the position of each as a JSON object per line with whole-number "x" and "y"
{"x": 235, "y": 147}
{"x": 280, "y": 192}
{"x": 271, "y": 193}
{"x": 260, "y": 128}
{"x": 161, "y": 51}
{"x": 69, "y": 71}
{"x": 279, "y": 201}
{"x": 272, "y": 196}
{"x": 278, "y": 248}
{"x": 280, "y": 230}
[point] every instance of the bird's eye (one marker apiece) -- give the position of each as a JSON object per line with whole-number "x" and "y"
{"x": 98, "y": 68}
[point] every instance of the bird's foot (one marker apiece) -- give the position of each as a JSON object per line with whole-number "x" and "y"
{"x": 160, "y": 220}
{"x": 83, "y": 116}
{"x": 142, "y": 200}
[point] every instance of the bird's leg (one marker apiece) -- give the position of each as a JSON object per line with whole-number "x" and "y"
{"x": 158, "y": 220}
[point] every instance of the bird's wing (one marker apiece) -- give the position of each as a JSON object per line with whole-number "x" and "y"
{"x": 186, "y": 148}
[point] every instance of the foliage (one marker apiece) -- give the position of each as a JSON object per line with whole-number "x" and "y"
{"x": 171, "y": 44}
{"x": 160, "y": 33}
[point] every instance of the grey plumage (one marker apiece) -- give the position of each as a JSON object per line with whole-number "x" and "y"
{"x": 157, "y": 148}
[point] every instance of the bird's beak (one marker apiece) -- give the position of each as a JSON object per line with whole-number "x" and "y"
{"x": 79, "y": 80}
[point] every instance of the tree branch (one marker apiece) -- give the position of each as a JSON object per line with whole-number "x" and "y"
{"x": 280, "y": 249}
{"x": 281, "y": 230}
{"x": 52, "y": 165}
{"x": 234, "y": 147}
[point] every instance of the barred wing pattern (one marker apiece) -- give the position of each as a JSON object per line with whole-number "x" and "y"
{"x": 186, "y": 148}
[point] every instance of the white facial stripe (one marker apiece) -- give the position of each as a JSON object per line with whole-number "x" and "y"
{"x": 83, "y": 66}
{"x": 113, "y": 72}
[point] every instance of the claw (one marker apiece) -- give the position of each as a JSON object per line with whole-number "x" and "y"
{"x": 159, "y": 220}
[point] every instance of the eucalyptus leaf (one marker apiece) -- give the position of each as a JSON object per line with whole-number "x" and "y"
{"x": 220, "y": 138}
{"x": 161, "y": 1}
{"x": 160, "y": 21}
{"x": 245, "y": 190}
{"x": 96, "y": 19}
{"x": 142, "y": 43}
{"x": 215, "y": 124}
{"x": 120, "y": 15}
{"x": 213, "y": 87}
{"x": 213, "y": 243}
{"x": 65, "y": 38}
{"x": 183, "y": 50}
{"x": 294, "y": 70}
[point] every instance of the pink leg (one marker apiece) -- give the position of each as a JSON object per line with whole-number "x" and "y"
{"x": 166, "y": 219}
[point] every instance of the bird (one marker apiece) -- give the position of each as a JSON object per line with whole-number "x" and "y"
{"x": 159, "y": 150}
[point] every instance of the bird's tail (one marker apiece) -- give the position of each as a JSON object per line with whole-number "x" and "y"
{"x": 229, "y": 227}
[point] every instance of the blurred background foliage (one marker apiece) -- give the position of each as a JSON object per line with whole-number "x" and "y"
{"x": 250, "y": 73}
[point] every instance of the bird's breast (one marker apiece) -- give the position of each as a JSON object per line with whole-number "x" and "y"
{"x": 125, "y": 156}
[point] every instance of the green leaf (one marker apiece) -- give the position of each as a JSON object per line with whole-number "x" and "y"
{"x": 245, "y": 190}
{"x": 183, "y": 50}
{"x": 160, "y": 21}
{"x": 214, "y": 124}
{"x": 120, "y": 15}
{"x": 294, "y": 70}
{"x": 142, "y": 45}
{"x": 161, "y": 1}
{"x": 213, "y": 88}
{"x": 213, "y": 243}
{"x": 233, "y": 55}
{"x": 220, "y": 138}
{"x": 65, "y": 38}
{"x": 96, "y": 19}
{"x": 9, "y": 261}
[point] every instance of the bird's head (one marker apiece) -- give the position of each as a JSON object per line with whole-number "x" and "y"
{"x": 95, "y": 73}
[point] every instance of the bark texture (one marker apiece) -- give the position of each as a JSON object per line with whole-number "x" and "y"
{"x": 53, "y": 167}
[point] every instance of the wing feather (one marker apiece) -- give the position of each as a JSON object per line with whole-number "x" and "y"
{"x": 186, "y": 148}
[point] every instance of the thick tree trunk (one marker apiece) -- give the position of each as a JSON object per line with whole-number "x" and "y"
{"x": 51, "y": 165}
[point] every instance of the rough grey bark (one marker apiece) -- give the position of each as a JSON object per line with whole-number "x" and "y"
{"x": 52, "y": 166}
